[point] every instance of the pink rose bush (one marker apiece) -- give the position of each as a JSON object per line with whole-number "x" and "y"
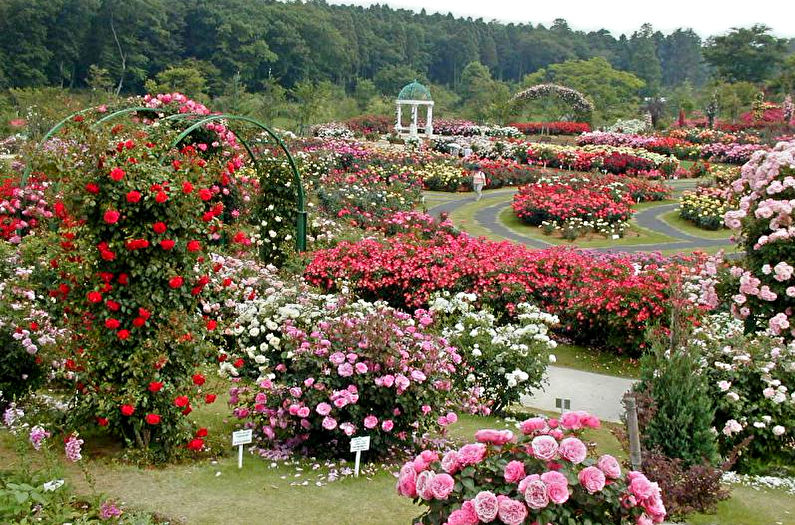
{"x": 311, "y": 371}
{"x": 765, "y": 226}
{"x": 541, "y": 476}
{"x": 752, "y": 380}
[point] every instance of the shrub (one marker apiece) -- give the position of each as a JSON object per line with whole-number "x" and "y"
{"x": 543, "y": 476}
{"x": 129, "y": 267}
{"x": 752, "y": 380}
{"x": 685, "y": 490}
{"x": 315, "y": 370}
{"x": 705, "y": 207}
{"x": 603, "y": 300}
{"x": 552, "y": 128}
{"x": 503, "y": 361}
{"x": 680, "y": 426}
{"x": 763, "y": 222}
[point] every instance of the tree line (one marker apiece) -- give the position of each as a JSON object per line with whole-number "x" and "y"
{"x": 226, "y": 48}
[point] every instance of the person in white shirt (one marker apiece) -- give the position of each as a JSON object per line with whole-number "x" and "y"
{"x": 478, "y": 181}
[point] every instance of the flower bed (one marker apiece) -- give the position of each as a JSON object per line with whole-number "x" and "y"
{"x": 552, "y": 128}
{"x": 22, "y": 209}
{"x": 705, "y": 207}
{"x": 543, "y": 475}
{"x": 602, "y": 300}
{"x": 325, "y": 369}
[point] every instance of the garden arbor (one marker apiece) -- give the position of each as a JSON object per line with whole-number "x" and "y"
{"x": 193, "y": 122}
{"x": 581, "y": 106}
{"x": 414, "y": 95}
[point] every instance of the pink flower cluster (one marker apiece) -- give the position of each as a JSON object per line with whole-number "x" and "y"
{"x": 537, "y": 467}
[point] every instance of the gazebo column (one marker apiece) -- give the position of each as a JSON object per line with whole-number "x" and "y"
{"x": 413, "y": 128}
{"x": 429, "y": 121}
{"x": 398, "y": 124}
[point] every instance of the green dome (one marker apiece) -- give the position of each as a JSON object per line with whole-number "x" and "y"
{"x": 415, "y": 91}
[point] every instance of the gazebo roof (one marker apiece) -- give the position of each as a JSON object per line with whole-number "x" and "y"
{"x": 415, "y": 91}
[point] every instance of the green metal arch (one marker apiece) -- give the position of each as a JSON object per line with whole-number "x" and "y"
{"x": 301, "y": 218}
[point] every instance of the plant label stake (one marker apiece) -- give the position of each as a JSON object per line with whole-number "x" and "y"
{"x": 240, "y": 438}
{"x": 562, "y": 403}
{"x": 358, "y": 444}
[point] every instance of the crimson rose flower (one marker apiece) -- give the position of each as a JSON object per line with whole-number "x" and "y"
{"x": 111, "y": 216}
{"x": 155, "y": 386}
{"x": 181, "y": 401}
{"x": 117, "y": 174}
{"x": 127, "y": 410}
{"x": 159, "y": 227}
{"x": 167, "y": 244}
{"x": 175, "y": 282}
{"x": 133, "y": 196}
{"x": 152, "y": 419}
{"x": 94, "y": 297}
{"x": 112, "y": 323}
{"x": 195, "y": 444}
{"x": 198, "y": 379}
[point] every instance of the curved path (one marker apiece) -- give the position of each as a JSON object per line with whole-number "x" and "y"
{"x": 649, "y": 218}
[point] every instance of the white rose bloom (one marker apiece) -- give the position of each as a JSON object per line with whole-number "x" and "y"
{"x": 778, "y": 430}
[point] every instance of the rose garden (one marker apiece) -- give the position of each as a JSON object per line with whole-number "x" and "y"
{"x": 173, "y": 273}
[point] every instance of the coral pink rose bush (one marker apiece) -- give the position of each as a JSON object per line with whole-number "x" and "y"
{"x": 311, "y": 371}
{"x": 765, "y": 224}
{"x": 542, "y": 475}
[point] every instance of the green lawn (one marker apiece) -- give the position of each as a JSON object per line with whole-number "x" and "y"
{"x": 685, "y": 226}
{"x": 597, "y": 361}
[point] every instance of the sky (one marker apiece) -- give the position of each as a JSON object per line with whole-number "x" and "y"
{"x": 618, "y": 16}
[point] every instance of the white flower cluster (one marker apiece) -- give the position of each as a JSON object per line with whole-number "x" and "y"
{"x": 771, "y": 482}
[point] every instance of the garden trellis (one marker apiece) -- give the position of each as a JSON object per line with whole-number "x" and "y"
{"x": 581, "y": 106}
{"x": 197, "y": 121}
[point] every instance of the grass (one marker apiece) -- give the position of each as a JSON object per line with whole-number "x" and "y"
{"x": 749, "y": 506}
{"x": 597, "y": 361}
{"x": 675, "y": 221}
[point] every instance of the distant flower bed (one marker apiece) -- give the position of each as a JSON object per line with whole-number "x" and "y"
{"x": 552, "y": 128}
{"x": 466, "y": 128}
{"x": 705, "y": 207}
{"x": 368, "y": 124}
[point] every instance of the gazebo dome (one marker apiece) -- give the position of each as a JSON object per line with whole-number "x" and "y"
{"x": 415, "y": 91}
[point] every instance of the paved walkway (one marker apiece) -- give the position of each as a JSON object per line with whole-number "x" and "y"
{"x": 488, "y": 217}
{"x": 597, "y": 394}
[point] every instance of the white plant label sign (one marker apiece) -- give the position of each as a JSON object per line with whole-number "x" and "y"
{"x": 358, "y": 445}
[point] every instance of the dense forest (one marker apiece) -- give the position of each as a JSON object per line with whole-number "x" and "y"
{"x": 217, "y": 48}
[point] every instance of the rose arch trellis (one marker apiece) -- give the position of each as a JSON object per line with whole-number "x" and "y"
{"x": 581, "y": 106}
{"x": 196, "y": 121}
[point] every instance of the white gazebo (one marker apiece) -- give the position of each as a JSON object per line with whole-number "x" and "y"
{"x": 414, "y": 95}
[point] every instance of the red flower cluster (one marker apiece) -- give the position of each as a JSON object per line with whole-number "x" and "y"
{"x": 601, "y": 299}
{"x": 558, "y": 202}
{"x": 552, "y": 128}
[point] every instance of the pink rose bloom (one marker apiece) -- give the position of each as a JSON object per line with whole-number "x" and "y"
{"x": 361, "y": 368}
{"x": 655, "y": 508}
{"x": 495, "y": 437}
{"x": 510, "y": 511}
{"x": 348, "y": 428}
{"x": 387, "y": 425}
{"x": 590, "y": 421}
{"x": 424, "y": 480}
{"x": 523, "y": 484}
{"x": 573, "y": 449}
{"x": 535, "y": 494}
{"x": 426, "y": 409}
{"x": 486, "y": 506}
{"x": 558, "y": 493}
{"x": 452, "y": 417}
{"x": 329, "y": 423}
{"x": 450, "y": 462}
{"x": 402, "y": 383}
{"x": 407, "y": 481}
{"x": 442, "y": 485}
{"x": 303, "y": 412}
{"x": 643, "y": 519}
{"x": 534, "y": 424}
{"x": 388, "y": 380}
{"x": 466, "y": 515}
{"x": 609, "y": 465}
{"x": 571, "y": 420}
{"x": 471, "y": 454}
{"x": 345, "y": 370}
{"x": 323, "y": 409}
{"x": 556, "y": 433}
{"x": 418, "y": 376}
{"x": 295, "y": 391}
{"x": 592, "y": 479}
{"x": 641, "y": 487}
{"x": 337, "y": 358}
{"x": 442, "y": 421}
{"x": 370, "y": 422}
{"x": 514, "y": 471}
{"x": 544, "y": 447}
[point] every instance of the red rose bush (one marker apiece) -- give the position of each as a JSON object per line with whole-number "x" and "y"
{"x": 542, "y": 475}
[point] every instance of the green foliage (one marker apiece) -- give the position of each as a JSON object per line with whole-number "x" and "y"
{"x": 745, "y": 54}
{"x": 682, "y": 414}
{"x": 614, "y": 93}
{"x": 186, "y": 78}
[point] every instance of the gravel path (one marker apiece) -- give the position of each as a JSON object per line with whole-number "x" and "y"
{"x": 598, "y": 394}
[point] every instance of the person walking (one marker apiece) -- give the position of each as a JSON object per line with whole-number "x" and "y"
{"x": 478, "y": 181}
